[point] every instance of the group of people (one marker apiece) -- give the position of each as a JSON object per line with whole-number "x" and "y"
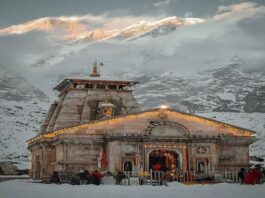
{"x": 95, "y": 177}
{"x": 252, "y": 176}
{"x": 86, "y": 177}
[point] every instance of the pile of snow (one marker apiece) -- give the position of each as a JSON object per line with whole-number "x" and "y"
{"x": 28, "y": 188}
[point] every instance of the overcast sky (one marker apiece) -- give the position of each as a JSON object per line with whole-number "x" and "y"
{"x": 18, "y": 11}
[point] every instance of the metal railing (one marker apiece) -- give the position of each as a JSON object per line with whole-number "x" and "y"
{"x": 144, "y": 177}
{"x": 230, "y": 177}
{"x": 156, "y": 177}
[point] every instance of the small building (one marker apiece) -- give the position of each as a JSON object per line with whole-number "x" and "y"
{"x": 97, "y": 124}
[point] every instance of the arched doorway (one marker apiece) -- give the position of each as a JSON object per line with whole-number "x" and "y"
{"x": 201, "y": 166}
{"x": 128, "y": 166}
{"x": 167, "y": 160}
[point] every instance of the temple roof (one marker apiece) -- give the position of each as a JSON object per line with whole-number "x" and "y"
{"x": 240, "y": 130}
{"x": 174, "y": 111}
{"x": 95, "y": 80}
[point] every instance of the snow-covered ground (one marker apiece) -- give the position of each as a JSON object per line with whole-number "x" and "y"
{"x": 29, "y": 189}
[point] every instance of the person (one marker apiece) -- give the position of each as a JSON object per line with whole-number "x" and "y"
{"x": 108, "y": 179}
{"x": 89, "y": 177}
{"x": 250, "y": 177}
{"x": 241, "y": 176}
{"x": 119, "y": 177}
{"x": 75, "y": 180}
{"x": 262, "y": 175}
{"x": 143, "y": 177}
{"x": 165, "y": 178}
{"x": 258, "y": 175}
{"x": 156, "y": 167}
{"x": 96, "y": 177}
{"x": 55, "y": 178}
{"x": 83, "y": 177}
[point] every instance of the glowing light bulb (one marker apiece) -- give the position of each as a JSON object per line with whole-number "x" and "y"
{"x": 163, "y": 106}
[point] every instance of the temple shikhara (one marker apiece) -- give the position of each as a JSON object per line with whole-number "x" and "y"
{"x": 97, "y": 124}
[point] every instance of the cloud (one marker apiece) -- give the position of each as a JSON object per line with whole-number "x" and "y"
{"x": 162, "y": 3}
{"x": 239, "y": 11}
{"x": 186, "y": 50}
{"x": 188, "y": 14}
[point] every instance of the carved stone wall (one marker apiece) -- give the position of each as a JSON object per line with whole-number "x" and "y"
{"x": 204, "y": 151}
{"x": 119, "y": 152}
{"x": 233, "y": 157}
{"x": 125, "y": 140}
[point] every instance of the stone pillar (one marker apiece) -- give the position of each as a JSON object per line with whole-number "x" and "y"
{"x": 45, "y": 175}
{"x": 65, "y": 157}
{"x": 114, "y": 156}
{"x": 185, "y": 160}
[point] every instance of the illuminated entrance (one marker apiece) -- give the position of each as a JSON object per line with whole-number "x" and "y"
{"x": 164, "y": 159}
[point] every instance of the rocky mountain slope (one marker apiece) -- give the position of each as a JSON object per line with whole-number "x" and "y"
{"x": 255, "y": 100}
{"x": 22, "y": 109}
{"x": 226, "y": 89}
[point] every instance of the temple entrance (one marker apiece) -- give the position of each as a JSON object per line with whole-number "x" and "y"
{"x": 201, "y": 166}
{"x": 128, "y": 166}
{"x": 163, "y": 160}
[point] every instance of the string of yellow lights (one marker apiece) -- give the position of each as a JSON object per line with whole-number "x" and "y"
{"x": 171, "y": 113}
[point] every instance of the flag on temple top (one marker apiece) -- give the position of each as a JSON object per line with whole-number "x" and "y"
{"x": 101, "y": 64}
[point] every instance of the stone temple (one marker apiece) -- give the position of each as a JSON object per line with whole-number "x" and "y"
{"x": 97, "y": 124}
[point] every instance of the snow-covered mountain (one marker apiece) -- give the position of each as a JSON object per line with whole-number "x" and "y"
{"x": 77, "y": 28}
{"x": 174, "y": 67}
{"x": 219, "y": 90}
{"x": 22, "y": 109}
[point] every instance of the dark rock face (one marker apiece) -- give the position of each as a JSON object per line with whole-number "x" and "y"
{"x": 255, "y": 101}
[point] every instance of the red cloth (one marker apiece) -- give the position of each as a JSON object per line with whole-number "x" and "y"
{"x": 156, "y": 167}
{"x": 98, "y": 175}
{"x": 250, "y": 178}
{"x": 103, "y": 159}
{"x": 257, "y": 176}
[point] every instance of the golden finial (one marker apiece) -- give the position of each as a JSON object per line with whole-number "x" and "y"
{"x": 95, "y": 72}
{"x": 107, "y": 99}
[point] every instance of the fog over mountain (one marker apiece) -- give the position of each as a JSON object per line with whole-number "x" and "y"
{"x": 213, "y": 66}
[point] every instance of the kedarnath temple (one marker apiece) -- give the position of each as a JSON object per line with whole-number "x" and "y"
{"x": 97, "y": 124}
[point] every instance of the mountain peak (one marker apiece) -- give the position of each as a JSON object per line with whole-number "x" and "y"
{"x": 76, "y": 28}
